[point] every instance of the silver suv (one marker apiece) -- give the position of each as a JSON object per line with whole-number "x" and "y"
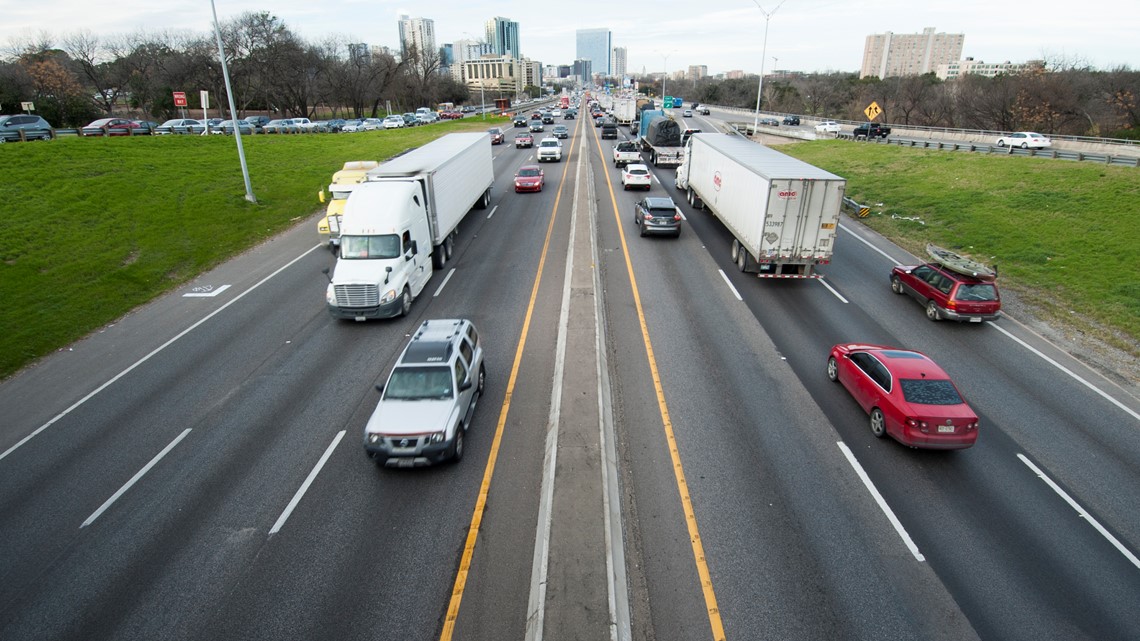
{"x": 34, "y": 128}
{"x": 430, "y": 397}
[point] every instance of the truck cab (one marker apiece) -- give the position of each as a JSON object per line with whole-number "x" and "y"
{"x": 352, "y": 173}
{"x": 385, "y": 252}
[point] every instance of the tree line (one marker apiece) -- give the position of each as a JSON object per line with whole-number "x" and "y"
{"x": 1057, "y": 99}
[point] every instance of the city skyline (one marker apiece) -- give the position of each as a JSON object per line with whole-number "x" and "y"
{"x": 804, "y": 35}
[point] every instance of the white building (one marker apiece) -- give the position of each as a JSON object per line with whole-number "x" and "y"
{"x": 888, "y": 55}
{"x": 419, "y": 32}
{"x": 950, "y": 71}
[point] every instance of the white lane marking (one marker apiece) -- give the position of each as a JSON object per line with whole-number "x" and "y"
{"x": 540, "y": 564}
{"x": 444, "y": 283}
{"x": 1081, "y": 512}
{"x": 156, "y": 350}
{"x": 492, "y": 212}
{"x": 729, "y": 283}
{"x": 134, "y": 479}
{"x": 831, "y": 289}
{"x": 910, "y": 545}
{"x": 209, "y": 293}
{"x": 867, "y": 243}
{"x": 305, "y": 486}
{"x": 1052, "y": 362}
{"x": 1066, "y": 370}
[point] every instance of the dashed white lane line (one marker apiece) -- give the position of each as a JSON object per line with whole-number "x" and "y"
{"x": 832, "y": 290}
{"x": 729, "y": 283}
{"x": 443, "y": 284}
{"x": 134, "y": 479}
{"x": 305, "y": 486}
{"x": 1081, "y": 512}
{"x": 910, "y": 545}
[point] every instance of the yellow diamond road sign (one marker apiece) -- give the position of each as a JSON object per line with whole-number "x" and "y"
{"x": 872, "y": 111}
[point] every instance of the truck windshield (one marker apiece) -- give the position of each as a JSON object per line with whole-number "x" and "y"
{"x": 353, "y": 247}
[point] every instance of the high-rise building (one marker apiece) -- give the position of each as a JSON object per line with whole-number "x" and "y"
{"x": 419, "y": 32}
{"x": 888, "y": 55}
{"x": 531, "y": 72}
{"x": 503, "y": 36}
{"x": 464, "y": 50}
{"x": 696, "y": 72}
{"x": 493, "y": 73}
{"x": 595, "y": 45}
{"x": 584, "y": 70}
{"x": 619, "y": 60}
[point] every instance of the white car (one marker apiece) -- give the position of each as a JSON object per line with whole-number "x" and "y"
{"x": 557, "y": 113}
{"x": 688, "y": 113}
{"x": 550, "y": 149}
{"x": 636, "y": 175}
{"x": 827, "y": 127}
{"x": 1025, "y": 140}
{"x": 394, "y": 122}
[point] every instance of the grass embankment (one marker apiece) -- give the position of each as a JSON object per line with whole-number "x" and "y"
{"x": 91, "y": 228}
{"x": 1065, "y": 235}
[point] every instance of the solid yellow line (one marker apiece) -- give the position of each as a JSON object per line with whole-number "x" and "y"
{"x": 489, "y": 471}
{"x": 678, "y": 472}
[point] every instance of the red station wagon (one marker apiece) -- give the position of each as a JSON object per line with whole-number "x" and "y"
{"x": 948, "y": 294}
{"x": 907, "y": 395}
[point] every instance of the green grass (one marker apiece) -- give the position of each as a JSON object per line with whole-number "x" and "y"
{"x": 1065, "y": 235}
{"x": 91, "y": 228}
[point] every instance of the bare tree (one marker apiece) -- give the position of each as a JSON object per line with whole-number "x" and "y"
{"x": 100, "y": 65}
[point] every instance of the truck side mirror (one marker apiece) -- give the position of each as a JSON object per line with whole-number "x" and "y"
{"x": 321, "y": 196}
{"x": 415, "y": 247}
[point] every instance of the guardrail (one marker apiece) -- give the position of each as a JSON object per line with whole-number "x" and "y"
{"x": 1059, "y": 154}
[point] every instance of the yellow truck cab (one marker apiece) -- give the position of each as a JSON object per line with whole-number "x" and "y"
{"x": 343, "y": 181}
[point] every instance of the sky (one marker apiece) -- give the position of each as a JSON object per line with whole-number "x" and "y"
{"x": 802, "y": 35}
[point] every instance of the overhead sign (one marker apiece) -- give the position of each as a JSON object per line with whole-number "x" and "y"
{"x": 872, "y": 111}
{"x": 179, "y": 98}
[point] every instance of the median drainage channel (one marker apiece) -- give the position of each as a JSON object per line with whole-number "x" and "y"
{"x": 578, "y": 575}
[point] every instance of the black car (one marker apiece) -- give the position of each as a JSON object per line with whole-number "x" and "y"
{"x": 519, "y": 121}
{"x": 609, "y": 130}
{"x": 33, "y": 128}
{"x": 547, "y": 118}
{"x": 569, "y": 115}
{"x": 792, "y": 120}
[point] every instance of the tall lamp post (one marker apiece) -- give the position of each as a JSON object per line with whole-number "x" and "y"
{"x": 482, "y": 97}
{"x": 233, "y": 112}
{"x": 763, "y": 54}
{"x": 664, "y": 74}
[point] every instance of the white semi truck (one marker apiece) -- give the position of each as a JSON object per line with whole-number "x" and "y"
{"x": 401, "y": 222}
{"x": 783, "y": 213}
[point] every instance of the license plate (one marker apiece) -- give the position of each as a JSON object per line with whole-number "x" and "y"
{"x": 945, "y": 429}
{"x": 976, "y": 319}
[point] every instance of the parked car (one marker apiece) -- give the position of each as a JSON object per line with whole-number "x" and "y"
{"x": 657, "y": 216}
{"x": 33, "y": 128}
{"x": 371, "y": 124}
{"x": 524, "y": 140}
{"x": 180, "y": 126}
{"x": 114, "y": 127}
{"x": 792, "y": 121}
{"x": 529, "y": 178}
{"x": 258, "y": 122}
{"x": 1025, "y": 140}
{"x": 282, "y": 126}
{"x": 560, "y": 131}
{"x": 410, "y": 120}
{"x": 332, "y": 126}
{"x": 427, "y": 118}
{"x": 907, "y": 395}
{"x": 636, "y": 175}
{"x": 828, "y": 127}
{"x": 394, "y": 122}
{"x": 429, "y": 400}
{"x": 947, "y": 294}
{"x": 226, "y": 127}
{"x": 148, "y": 125}
{"x": 353, "y": 125}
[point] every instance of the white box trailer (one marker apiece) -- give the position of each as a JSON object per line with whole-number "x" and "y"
{"x": 783, "y": 213}
{"x": 625, "y": 110}
{"x": 455, "y": 173}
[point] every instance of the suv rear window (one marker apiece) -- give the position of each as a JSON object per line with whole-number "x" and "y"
{"x": 979, "y": 291}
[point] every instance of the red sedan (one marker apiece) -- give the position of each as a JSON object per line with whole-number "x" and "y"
{"x": 529, "y": 178}
{"x": 907, "y": 395}
{"x": 114, "y": 127}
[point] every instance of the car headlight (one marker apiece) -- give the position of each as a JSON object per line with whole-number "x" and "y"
{"x": 374, "y": 438}
{"x": 436, "y": 437}
{"x": 330, "y": 295}
{"x": 388, "y": 297}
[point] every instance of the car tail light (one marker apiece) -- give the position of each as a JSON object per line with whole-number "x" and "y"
{"x": 951, "y": 304}
{"x": 972, "y": 426}
{"x": 914, "y": 422}
{"x": 676, "y": 216}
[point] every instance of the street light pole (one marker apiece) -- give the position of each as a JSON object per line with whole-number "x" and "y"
{"x": 664, "y": 74}
{"x": 763, "y": 54}
{"x": 233, "y": 111}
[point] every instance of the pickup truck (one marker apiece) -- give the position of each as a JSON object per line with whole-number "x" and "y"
{"x": 626, "y": 152}
{"x": 871, "y": 129}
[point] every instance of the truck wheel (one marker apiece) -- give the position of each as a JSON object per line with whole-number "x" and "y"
{"x": 405, "y": 302}
{"x": 735, "y": 249}
{"x": 742, "y": 259}
{"x": 449, "y": 246}
{"x": 438, "y": 257}
{"x": 457, "y": 445}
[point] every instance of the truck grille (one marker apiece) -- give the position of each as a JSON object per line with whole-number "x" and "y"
{"x": 357, "y": 295}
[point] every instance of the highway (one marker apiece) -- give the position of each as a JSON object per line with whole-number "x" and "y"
{"x": 659, "y": 454}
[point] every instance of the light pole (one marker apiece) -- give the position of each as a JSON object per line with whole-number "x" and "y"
{"x": 763, "y": 54}
{"x": 233, "y": 112}
{"x": 664, "y": 74}
{"x": 482, "y": 97}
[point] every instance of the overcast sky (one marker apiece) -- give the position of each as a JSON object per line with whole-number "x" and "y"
{"x": 803, "y": 35}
